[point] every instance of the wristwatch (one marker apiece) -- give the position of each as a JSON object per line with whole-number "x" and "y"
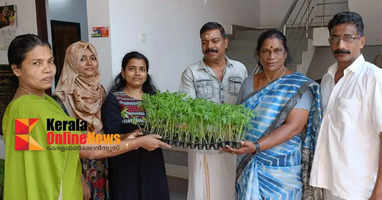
{"x": 257, "y": 145}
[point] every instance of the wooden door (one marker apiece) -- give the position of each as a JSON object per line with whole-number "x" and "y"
{"x": 63, "y": 34}
{"x": 9, "y": 83}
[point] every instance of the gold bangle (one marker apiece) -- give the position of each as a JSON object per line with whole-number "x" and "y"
{"x": 127, "y": 145}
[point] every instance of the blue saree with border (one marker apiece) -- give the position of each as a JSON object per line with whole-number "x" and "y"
{"x": 282, "y": 172}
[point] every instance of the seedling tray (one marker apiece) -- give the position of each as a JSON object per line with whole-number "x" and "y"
{"x": 194, "y": 123}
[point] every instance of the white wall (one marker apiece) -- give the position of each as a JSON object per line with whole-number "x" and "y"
{"x": 320, "y": 36}
{"x": 272, "y": 12}
{"x": 167, "y": 31}
{"x": 98, "y": 15}
{"x": 371, "y": 12}
{"x": 69, "y": 11}
{"x": 25, "y": 19}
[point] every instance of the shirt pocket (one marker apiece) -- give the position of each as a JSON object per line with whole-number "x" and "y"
{"x": 348, "y": 107}
{"x": 204, "y": 88}
{"x": 356, "y": 140}
{"x": 346, "y": 117}
{"x": 234, "y": 84}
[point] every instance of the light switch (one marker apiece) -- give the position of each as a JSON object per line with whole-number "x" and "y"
{"x": 142, "y": 37}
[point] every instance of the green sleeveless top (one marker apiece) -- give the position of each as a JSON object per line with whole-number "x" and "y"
{"x": 34, "y": 173}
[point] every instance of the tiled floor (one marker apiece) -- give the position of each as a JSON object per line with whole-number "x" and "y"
{"x": 178, "y": 188}
{"x": 176, "y": 169}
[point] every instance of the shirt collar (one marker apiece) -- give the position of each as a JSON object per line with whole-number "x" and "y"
{"x": 354, "y": 67}
{"x": 204, "y": 66}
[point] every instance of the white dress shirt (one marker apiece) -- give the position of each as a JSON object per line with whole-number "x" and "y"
{"x": 347, "y": 150}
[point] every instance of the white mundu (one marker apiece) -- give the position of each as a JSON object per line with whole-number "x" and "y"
{"x": 347, "y": 150}
{"x": 211, "y": 175}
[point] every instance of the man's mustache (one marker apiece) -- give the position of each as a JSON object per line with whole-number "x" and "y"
{"x": 211, "y": 50}
{"x": 341, "y": 51}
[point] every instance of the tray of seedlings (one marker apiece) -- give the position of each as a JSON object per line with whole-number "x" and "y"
{"x": 194, "y": 123}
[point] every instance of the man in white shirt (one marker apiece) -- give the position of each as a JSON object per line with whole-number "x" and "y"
{"x": 347, "y": 161}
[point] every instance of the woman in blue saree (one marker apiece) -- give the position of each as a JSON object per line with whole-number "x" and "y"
{"x": 274, "y": 161}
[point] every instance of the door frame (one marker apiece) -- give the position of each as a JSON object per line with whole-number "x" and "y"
{"x": 42, "y": 28}
{"x": 64, "y": 23}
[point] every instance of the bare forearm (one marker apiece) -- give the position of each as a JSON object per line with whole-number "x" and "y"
{"x": 123, "y": 147}
{"x": 293, "y": 125}
{"x": 379, "y": 177}
{"x": 378, "y": 184}
{"x": 148, "y": 142}
{"x": 279, "y": 136}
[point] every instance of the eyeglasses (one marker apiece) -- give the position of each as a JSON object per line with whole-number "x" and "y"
{"x": 335, "y": 39}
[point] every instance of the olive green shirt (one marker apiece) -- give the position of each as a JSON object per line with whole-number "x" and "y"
{"x": 39, "y": 174}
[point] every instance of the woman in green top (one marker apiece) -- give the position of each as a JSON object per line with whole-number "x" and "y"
{"x": 33, "y": 169}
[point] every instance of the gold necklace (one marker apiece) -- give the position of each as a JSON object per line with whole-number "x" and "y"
{"x": 282, "y": 74}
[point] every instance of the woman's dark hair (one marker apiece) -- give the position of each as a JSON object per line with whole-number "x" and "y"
{"x": 21, "y": 45}
{"x": 120, "y": 82}
{"x": 273, "y": 33}
{"x": 347, "y": 17}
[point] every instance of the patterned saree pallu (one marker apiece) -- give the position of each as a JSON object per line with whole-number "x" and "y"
{"x": 281, "y": 172}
